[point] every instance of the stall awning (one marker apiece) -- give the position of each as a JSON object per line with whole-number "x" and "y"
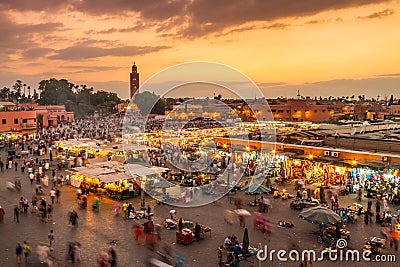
{"x": 94, "y": 172}
{"x": 120, "y": 159}
{"x": 107, "y": 164}
{"x": 133, "y": 147}
{"x": 114, "y": 177}
{"x": 97, "y": 160}
{"x": 140, "y": 170}
{"x": 373, "y": 164}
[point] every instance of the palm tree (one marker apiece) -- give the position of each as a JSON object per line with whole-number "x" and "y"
{"x": 5, "y": 92}
{"x": 17, "y": 88}
{"x": 90, "y": 92}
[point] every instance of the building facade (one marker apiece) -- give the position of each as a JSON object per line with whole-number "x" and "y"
{"x": 51, "y": 116}
{"x": 290, "y": 110}
{"x": 14, "y": 119}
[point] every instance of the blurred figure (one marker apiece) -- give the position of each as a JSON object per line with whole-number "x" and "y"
{"x": 117, "y": 207}
{"x": 131, "y": 210}
{"x": 96, "y": 205}
{"x": 103, "y": 259}
{"x": 112, "y": 257}
{"x": 50, "y": 236}
{"x": 18, "y": 252}
{"x": 84, "y": 202}
{"x": 77, "y": 251}
{"x": 1, "y": 214}
{"x": 139, "y": 234}
{"x": 73, "y": 217}
{"x": 27, "y": 250}
{"x": 16, "y": 213}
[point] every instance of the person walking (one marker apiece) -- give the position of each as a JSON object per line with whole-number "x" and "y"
{"x": 76, "y": 251}
{"x": 359, "y": 193}
{"x": 220, "y": 252}
{"x": 369, "y": 204}
{"x": 385, "y": 205}
{"x": 19, "y": 252}
{"x": 366, "y": 218}
{"x": 58, "y": 195}
{"x": 378, "y": 206}
{"x": 117, "y": 207}
{"x": 395, "y": 239}
{"x": 27, "y": 250}
{"x": 52, "y": 195}
{"x": 50, "y": 236}
{"x": 125, "y": 210}
{"x": 112, "y": 258}
{"x": 31, "y": 177}
{"x": 2, "y": 214}
{"x": 16, "y": 214}
{"x": 197, "y": 230}
{"x": 73, "y": 218}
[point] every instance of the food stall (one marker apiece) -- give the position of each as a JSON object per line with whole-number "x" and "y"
{"x": 88, "y": 177}
{"x": 119, "y": 185}
{"x": 134, "y": 153}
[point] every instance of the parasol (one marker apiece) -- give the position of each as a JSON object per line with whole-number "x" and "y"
{"x": 242, "y": 212}
{"x": 163, "y": 184}
{"x": 256, "y": 189}
{"x": 211, "y": 170}
{"x": 228, "y": 216}
{"x": 320, "y": 215}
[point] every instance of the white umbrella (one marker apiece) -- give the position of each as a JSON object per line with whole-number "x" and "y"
{"x": 242, "y": 212}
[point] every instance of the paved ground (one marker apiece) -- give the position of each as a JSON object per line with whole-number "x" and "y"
{"x": 96, "y": 230}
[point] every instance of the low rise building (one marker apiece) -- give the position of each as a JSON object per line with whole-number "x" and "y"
{"x": 16, "y": 119}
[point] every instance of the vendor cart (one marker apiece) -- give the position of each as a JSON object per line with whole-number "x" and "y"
{"x": 184, "y": 237}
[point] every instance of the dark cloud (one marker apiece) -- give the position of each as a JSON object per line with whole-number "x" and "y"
{"x": 274, "y": 26}
{"x": 86, "y": 69}
{"x": 36, "y": 52}
{"x": 196, "y": 17}
{"x": 116, "y": 30}
{"x": 277, "y": 26}
{"x": 388, "y": 75}
{"x": 314, "y": 21}
{"x": 378, "y": 15}
{"x": 317, "y": 21}
{"x": 37, "y": 5}
{"x": 16, "y": 36}
{"x": 209, "y": 15}
{"x": 271, "y": 84}
{"x": 79, "y": 52}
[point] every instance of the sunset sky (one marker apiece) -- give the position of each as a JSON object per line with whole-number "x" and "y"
{"x": 322, "y": 47}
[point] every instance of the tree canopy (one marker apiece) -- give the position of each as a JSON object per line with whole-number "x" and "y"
{"x": 80, "y": 99}
{"x": 149, "y": 103}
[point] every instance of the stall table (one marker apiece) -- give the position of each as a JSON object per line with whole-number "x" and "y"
{"x": 204, "y": 230}
{"x": 184, "y": 237}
